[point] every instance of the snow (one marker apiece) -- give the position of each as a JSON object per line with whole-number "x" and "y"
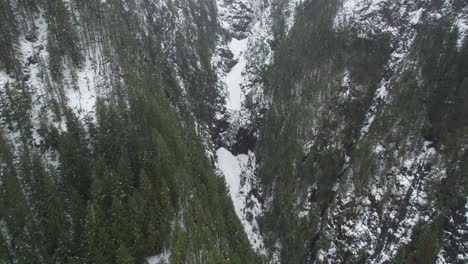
{"x": 162, "y": 258}
{"x": 237, "y": 46}
{"x": 379, "y": 149}
{"x": 251, "y": 49}
{"x": 308, "y": 146}
{"x": 4, "y": 79}
{"x": 276, "y": 258}
{"x": 346, "y": 84}
{"x": 405, "y": 178}
{"x": 396, "y": 63}
{"x": 230, "y": 166}
{"x": 36, "y": 52}
{"x": 249, "y": 27}
{"x": 462, "y": 24}
{"x": 234, "y": 78}
{"x": 291, "y": 13}
{"x": 307, "y": 205}
{"x": 83, "y": 97}
{"x": 363, "y": 231}
{"x": 238, "y": 174}
{"x": 416, "y": 16}
{"x": 79, "y": 85}
{"x": 366, "y": 16}
{"x": 352, "y": 10}
{"x": 466, "y": 211}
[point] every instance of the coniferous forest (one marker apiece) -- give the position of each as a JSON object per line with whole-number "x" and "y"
{"x": 127, "y": 181}
{"x": 233, "y": 131}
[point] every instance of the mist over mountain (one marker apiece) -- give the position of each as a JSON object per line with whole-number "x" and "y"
{"x": 233, "y": 131}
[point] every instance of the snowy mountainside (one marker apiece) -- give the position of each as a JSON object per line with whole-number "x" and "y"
{"x": 99, "y": 106}
{"x": 244, "y": 51}
{"x": 233, "y": 131}
{"x": 95, "y": 75}
{"x": 234, "y": 157}
{"x": 354, "y": 142}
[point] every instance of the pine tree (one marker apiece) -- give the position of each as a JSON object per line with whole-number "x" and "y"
{"x": 8, "y": 37}
{"x": 17, "y": 219}
{"x": 178, "y": 248}
{"x": 124, "y": 177}
{"x": 61, "y": 39}
{"x": 124, "y": 256}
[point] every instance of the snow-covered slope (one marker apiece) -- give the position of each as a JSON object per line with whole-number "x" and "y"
{"x": 237, "y": 20}
{"x": 244, "y": 51}
{"x": 78, "y": 90}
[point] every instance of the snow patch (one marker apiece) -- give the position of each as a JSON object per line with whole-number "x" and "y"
{"x": 234, "y": 78}
{"x": 238, "y": 173}
{"x": 416, "y": 16}
{"x": 291, "y": 13}
{"x": 162, "y": 258}
{"x": 462, "y": 24}
{"x": 307, "y": 204}
{"x": 82, "y": 97}
{"x": 230, "y": 165}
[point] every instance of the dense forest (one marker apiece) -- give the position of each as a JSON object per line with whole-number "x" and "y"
{"x": 350, "y": 122}
{"x": 129, "y": 178}
{"x": 233, "y": 131}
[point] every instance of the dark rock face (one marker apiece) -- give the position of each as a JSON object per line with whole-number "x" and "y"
{"x": 239, "y": 14}
{"x": 244, "y": 142}
{"x": 218, "y": 131}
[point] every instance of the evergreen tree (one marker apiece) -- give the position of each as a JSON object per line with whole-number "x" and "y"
{"x": 8, "y": 37}
{"x": 62, "y": 41}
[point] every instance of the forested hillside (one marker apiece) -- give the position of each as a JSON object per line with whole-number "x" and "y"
{"x": 363, "y": 150}
{"x": 100, "y": 162}
{"x": 233, "y": 131}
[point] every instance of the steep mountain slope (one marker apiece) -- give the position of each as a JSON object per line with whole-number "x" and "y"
{"x": 233, "y": 131}
{"x": 243, "y": 53}
{"x": 99, "y": 157}
{"x": 362, "y": 152}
